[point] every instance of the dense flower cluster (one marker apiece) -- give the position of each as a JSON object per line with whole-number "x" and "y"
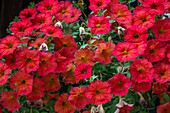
{"x": 55, "y": 59}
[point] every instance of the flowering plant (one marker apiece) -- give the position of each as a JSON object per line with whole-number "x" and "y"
{"x": 115, "y": 60}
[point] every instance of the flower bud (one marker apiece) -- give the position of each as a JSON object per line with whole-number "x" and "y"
{"x": 43, "y": 47}
{"x": 80, "y": 3}
{"x": 109, "y": 38}
{"x": 81, "y": 30}
{"x": 58, "y": 24}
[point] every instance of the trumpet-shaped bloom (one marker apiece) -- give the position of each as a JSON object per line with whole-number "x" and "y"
{"x": 119, "y": 84}
{"x": 98, "y": 4}
{"x": 142, "y": 71}
{"x": 62, "y": 105}
{"x": 4, "y": 73}
{"x": 98, "y": 92}
{"x": 104, "y": 52}
{"x": 28, "y": 14}
{"x": 22, "y": 82}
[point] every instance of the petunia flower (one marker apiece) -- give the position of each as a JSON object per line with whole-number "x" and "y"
{"x": 98, "y": 4}
{"x": 28, "y": 14}
{"x": 62, "y": 105}
{"x": 10, "y": 100}
{"x": 162, "y": 72}
{"x": 47, "y": 64}
{"x": 119, "y": 84}
{"x": 69, "y": 74}
{"x": 121, "y": 13}
{"x": 78, "y": 98}
{"x": 27, "y": 60}
{"x": 99, "y": 25}
{"x": 83, "y": 71}
{"x": 161, "y": 29}
{"x": 155, "y": 50}
{"x": 125, "y": 51}
{"x": 8, "y": 45}
{"x": 84, "y": 56}
{"x": 22, "y": 82}
{"x": 98, "y": 92}
{"x": 37, "y": 90}
{"x": 104, "y": 52}
{"x": 160, "y": 88}
{"x": 66, "y": 41}
{"x": 4, "y": 73}
{"x": 51, "y": 82}
{"x": 10, "y": 60}
{"x": 142, "y": 71}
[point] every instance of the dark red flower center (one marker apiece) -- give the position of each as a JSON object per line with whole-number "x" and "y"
{"x": 10, "y": 45}
{"x": 136, "y": 36}
{"x": 83, "y": 58}
{"x": 97, "y": 92}
{"x": 162, "y": 73}
{"x": 144, "y": 20}
{"x": 83, "y": 71}
{"x": 151, "y": 51}
{"x": 52, "y": 79}
{"x": 153, "y": 6}
{"x": 140, "y": 70}
{"x": 64, "y": 103}
{"x": 53, "y": 99}
{"x": 43, "y": 61}
{"x": 28, "y": 59}
{"x": 65, "y": 45}
{"x": 99, "y": 4}
{"x": 23, "y": 82}
{"x": 2, "y": 73}
{"x": 120, "y": 82}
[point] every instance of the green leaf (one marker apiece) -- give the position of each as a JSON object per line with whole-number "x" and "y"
{"x": 83, "y": 46}
{"x": 166, "y": 97}
{"x": 35, "y": 111}
{"x": 51, "y": 103}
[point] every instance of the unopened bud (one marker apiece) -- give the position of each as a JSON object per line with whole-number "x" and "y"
{"x": 81, "y": 30}
{"x": 43, "y": 47}
{"x": 58, "y": 24}
{"x": 99, "y": 109}
{"x": 120, "y": 30}
{"x": 80, "y": 3}
{"x": 109, "y": 38}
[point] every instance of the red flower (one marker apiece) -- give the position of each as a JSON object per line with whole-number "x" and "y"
{"x": 23, "y": 28}
{"x": 119, "y": 84}
{"x": 125, "y": 51}
{"x": 61, "y": 63}
{"x": 62, "y": 105}
{"x": 51, "y": 82}
{"x": 155, "y": 51}
{"x": 10, "y": 60}
{"x": 143, "y": 19}
{"x": 98, "y": 4}
{"x": 63, "y": 10}
{"x": 52, "y": 31}
{"x": 37, "y": 90}
{"x": 8, "y": 45}
{"x": 83, "y": 71}
{"x": 123, "y": 107}
{"x": 22, "y": 82}
{"x": 47, "y": 6}
{"x": 28, "y": 14}
{"x": 99, "y": 25}
{"x": 66, "y": 52}
{"x": 142, "y": 71}
{"x": 27, "y": 60}
{"x": 104, "y": 52}
{"x": 41, "y": 20}
{"x": 141, "y": 87}
{"x": 165, "y": 108}
{"x": 136, "y": 34}
{"x": 160, "y": 88}
{"x": 66, "y": 41}
{"x": 161, "y": 29}
{"x": 69, "y": 74}
{"x": 47, "y": 64}
{"x": 98, "y": 92}
{"x": 121, "y": 13}
{"x": 50, "y": 97}
{"x": 78, "y": 98}
{"x": 75, "y": 15}
{"x": 4, "y": 73}
{"x": 10, "y": 100}
{"x": 162, "y": 72}
{"x": 84, "y": 56}
{"x": 154, "y": 6}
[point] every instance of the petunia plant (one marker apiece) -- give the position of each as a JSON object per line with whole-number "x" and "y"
{"x": 116, "y": 59}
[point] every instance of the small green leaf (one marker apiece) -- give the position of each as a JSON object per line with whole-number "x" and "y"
{"x": 166, "y": 97}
